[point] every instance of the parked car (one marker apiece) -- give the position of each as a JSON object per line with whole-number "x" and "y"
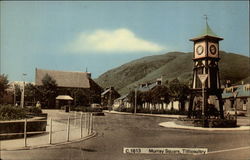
{"x": 96, "y": 108}
{"x": 96, "y": 105}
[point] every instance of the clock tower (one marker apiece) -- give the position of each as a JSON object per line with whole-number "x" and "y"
{"x": 205, "y": 61}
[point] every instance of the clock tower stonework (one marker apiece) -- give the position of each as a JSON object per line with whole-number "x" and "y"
{"x": 205, "y": 61}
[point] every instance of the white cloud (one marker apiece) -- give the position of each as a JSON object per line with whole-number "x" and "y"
{"x": 120, "y": 40}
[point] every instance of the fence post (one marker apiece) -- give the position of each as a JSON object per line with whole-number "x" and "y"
{"x": 68, "y": 128}
{"x": 92, "y": 124}
{"x": 89, "y": 124}
{"x": 81, "y": 125}
{"x": 25, "y": 132}
{"x": 50, "y": 132}
{"x": 75, "y": 119}
{"x": 85, "y": 126}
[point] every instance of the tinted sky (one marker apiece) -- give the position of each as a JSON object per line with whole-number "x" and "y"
{"x": 73, "y": 36}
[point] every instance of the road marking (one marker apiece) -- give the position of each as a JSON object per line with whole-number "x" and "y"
{"x": 227, "y": 150}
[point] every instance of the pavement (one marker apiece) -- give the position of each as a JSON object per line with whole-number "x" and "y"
{"x": 148, "y": 114}
{"x": 242, "y": 122}
{"x": 117, "y": 131}
{"x": 59, "y": 133}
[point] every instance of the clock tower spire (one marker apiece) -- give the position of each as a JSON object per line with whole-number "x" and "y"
{"x": 206, "y": 18}
{"x": 205, "y": 61}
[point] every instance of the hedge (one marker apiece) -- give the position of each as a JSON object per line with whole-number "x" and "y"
{"x": 9, "y": 112}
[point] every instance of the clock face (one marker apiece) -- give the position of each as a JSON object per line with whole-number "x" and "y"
{"x": 213, "y": 49}
{"x": 199, "y": 49}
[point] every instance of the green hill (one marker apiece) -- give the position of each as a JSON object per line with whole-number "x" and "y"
{"x": 171, "y": 65}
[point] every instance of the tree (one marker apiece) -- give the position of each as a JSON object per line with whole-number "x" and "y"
{"x": 3, "y": 83}
{"x": 131, "y": 98}
{"x": 30, "y": 93}
{"x": 179, "y": 91}
{"x": 81, "y": 97}
{"x": 146, "y": 97}
{"x": 49, "y": 90}
{"x": 160, "y": 94}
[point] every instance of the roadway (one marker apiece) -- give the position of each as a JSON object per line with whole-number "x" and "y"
{"x": 117, "y": 131}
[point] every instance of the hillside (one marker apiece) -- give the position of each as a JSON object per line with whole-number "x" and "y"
{"x": 170, "y": 65}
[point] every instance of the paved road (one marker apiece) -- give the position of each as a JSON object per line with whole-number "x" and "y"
{"x": 118, "y": 131}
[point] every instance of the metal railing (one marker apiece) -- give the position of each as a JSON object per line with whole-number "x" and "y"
{"x": 74, "y": 128}
{"x": 73, "y": 124}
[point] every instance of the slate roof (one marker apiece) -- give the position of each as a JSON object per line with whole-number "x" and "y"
{"x": 64, "y": 78}
{"x": 243, "y": 91}
{"x": 148, "y": 87}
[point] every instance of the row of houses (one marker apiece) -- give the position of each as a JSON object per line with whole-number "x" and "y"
{"x": 237, "y": 96}
{"x": 124, "y": 102}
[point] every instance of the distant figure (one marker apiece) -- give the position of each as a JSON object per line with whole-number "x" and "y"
{"x": 38, "y": 105}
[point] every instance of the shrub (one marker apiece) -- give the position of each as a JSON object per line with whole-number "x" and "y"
{"x": 86, "y": 109}
{"x": 215, "y": 123}
{"x": 8, "y": 112}
{"x": 33, "y": 110}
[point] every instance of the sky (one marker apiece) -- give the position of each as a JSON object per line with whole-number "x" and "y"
{"x": 99, "y": 36}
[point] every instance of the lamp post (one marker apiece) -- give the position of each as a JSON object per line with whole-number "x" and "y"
{"x": 110, "y": 99}
{"x": 135, "y": 99}
{"x": 22, "y": 96}
{"x": 203, "y": 103}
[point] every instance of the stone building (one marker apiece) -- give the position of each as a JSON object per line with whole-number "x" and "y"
{"x": 237, "y": 96}
{"x": 78, "y": 85}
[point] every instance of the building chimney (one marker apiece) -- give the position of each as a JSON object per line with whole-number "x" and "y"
{"x": 89, "y": 74}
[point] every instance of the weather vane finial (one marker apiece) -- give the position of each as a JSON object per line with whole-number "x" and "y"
{"x": 206, "y": 18}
